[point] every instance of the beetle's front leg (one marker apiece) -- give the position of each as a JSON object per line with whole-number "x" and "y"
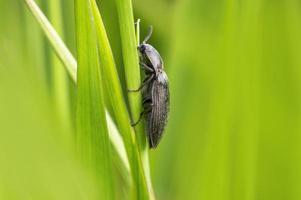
{"x": 146, "y": 67}
{"x": 146, "y": 81}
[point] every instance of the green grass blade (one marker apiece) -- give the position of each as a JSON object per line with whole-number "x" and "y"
{"x": 55, "y": 40}
{"x": 130, "y": 55}
{"x": 144, "y": 148}
{"x": 118, "y": 144}
{"x": 117, "y": 103}
{"x": 120, "y": 159}
{"x": 92, "y": 133}
{"x": 132, "y": 73}
{"x": 73, "y": 66}
{"x": 123, "y": 123}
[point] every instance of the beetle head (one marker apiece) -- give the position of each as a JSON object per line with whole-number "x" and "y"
{"x": 142, "y": 48}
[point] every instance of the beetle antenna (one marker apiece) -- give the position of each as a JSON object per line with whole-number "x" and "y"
{"x": 147, "y": 37}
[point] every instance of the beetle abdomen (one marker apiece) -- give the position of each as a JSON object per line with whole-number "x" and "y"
{"x": 157, "y": 118}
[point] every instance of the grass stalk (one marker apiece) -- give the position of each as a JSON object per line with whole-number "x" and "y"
{"x": 118, "y": 105}
{"x": 133, "y": 79}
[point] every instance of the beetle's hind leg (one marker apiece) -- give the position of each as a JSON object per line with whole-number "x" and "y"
{"x": 137, "y": 122}
{"x": 147, "y": 103}
{"x": 146, "y": 81}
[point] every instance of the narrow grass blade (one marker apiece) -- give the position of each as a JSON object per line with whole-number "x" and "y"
{"x": 132, "y": 73}
{"x": 130, "y": 55}
{"x": 55, "y": 40}
{"x": 73, "y": 66}
{"x": 117, "y": 103}
{"x": 92, "y": 133}
{"x": 119, "y": 145}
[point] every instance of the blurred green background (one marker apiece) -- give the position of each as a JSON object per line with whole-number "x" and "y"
{"x": 234, "y": 130}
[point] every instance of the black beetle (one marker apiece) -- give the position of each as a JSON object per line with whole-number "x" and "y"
{"x": 155, "y": 92}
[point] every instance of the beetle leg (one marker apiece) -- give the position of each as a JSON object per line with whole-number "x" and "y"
{"x": 145, "y": 82}
{"x": 146, "y": 100}
{"x": 141, "y": 114}
{"x": 146, "y": 67}
{"x": 140, "y": 117}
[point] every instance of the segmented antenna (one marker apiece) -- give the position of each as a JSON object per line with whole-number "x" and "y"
{"x": 147, "y": 37}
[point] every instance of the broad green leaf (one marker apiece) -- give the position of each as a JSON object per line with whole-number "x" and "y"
{"x": 92, "y": 133}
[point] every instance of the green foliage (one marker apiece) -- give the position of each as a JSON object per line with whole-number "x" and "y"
{"x": 36, "y": 161}
{"x": 132, "y": 74}
{"x": 91, "y": 50}
{"x": 118, "y": 106}
{"x": 234, "y": 126}
{"x": 36, "y": 154}
{"x": 92, "y": 134}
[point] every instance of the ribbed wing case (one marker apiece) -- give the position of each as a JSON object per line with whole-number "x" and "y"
{"x": 157, "y": 117}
